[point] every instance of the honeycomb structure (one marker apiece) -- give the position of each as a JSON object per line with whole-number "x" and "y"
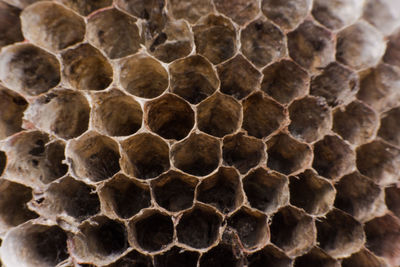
{"x": 200, "y": 133}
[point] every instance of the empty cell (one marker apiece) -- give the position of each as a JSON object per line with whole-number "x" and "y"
{"x": 293, "y": 231}
{"x": 389, "y": 129}
{"x": 251, "y": 227}
{"x": 242, "y": 152}
{"x": 363, "y": 258}
{"x": 379, "y": 161}
{"x": 222, "y": 190}
{"x": 269, "y": 256}
{"x": 133, "y": 259}
{"x": 176, "y": 257}
{"x": 113, "y": 32}
{"x": 222, "y": 255}
{"x": 33, "y": 244}
{"x": 124, "y": 197}
{"x": 312, "y": 193}
{"x": 215, "y": 38}
{"x": 240, "y": 11}
{"x": 85, "y": 68}
{"x": 238, "y": 77}
{"x": 143, "y": 76}
{"x": 286, "y": 155}
{"x": 13, "y": 205}
{"x": 262, "y": 42}
{"x": 284, "y": 81}
{"x": 356, "y": 122}
{"x": 190, "y": 10}
{"x": 337, "y": 84}
{"x": 392, "y": 199}
{"x": 174, "y": 191}
{"x": 392, "y": 54}
{"x": 316, "y": 258}
{"x": 199, "y": 154}
{"x": 286, "y": 14}
{"x": 311, "y": 118}
{"x": 152, "y": 231}
{"x": 10, "y": 29}
{"x": 170, "y": 117}
{"x": 311, "y": 46}
{"x": 262, "y": 116}
{"x": 358, "y": 196}
{"x": 360, "y": 46}
{"x": 85, "y": 7}
{"x": 3, "y": 161}
{"x": 266, "y": 191}
{"x": 94, "y": 156}
{"x": 52, "y": 26}
{"x": 145, "y": 156}
{"x": 199, "y": 227}
{"x": 383, "y": 238}
{"x": 333, "y": 157}
{"x": 116, "y": 113}
{"x": 51, "y": 111}
{"x": 12, "y": 107}
{"x": 28, "y": 69}
{"x": 339, "y": 234}
{"x": 193, "y": 78}
{"x": 219, "y": 115}
{"x": 337, "y": 14}
{"x": 32, "y": 160}
{"x": 383, "y": 14}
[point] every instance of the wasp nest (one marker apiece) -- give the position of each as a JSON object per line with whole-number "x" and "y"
{"x": 200, "y": 133}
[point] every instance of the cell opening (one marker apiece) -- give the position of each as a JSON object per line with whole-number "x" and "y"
{"x": 176, "y": 257}
{"x": 269, "y": 256}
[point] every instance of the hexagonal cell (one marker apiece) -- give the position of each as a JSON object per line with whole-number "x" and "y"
{"x": 379, "y": 87}
{"x": 32, "y": 160}
{"x": 269, "y": 256}
{"x": 86, "y": 7}
{"x": 222, "y": 190}
{"x": 215, "y": 38}
{"x": 251, "y": 227}
{"x": 143, "y": 76}
{"x": 339, "y": 234}
{"x": 199, "y": 227}
{"x": 145, "y": 156}
{"x": 152, "y": 231}
{"x": 286, "y": 14}
{"x": 356, "y": 122}
{"x": 382, "y": 14}
{"x": 114, "y": 32}
{"x": 174, "y": 191}
{"x": 284, "y": 81}
{"x": 219, "y": 115}
{"x": 293, "y": 231}
{"x": 124, "y": 197}
{"x": 170, "y": 117}
{"x": 116, "y": 114}
{"x": 199, "y": 154}
{"x": 28, "y": 69}
{"x": 85, "y": 68}
{"x": 49, "y": 112}
{"x": 338, "y": 13}
{"x": 46, "y": 244}
{"x": 262, "y": 116}
{"x": 13, "y": 205}
{"x": 12, "y": 107}
{"x": 193, "y": 78}
{"x": 10, "y": 29}
{"x": 99, "y": 241}
{"x": 360, "y": 46}
{"x": 191, "y": 10}
{"x": 240, "y": 11}
{"x": 363, "y": 258}
{"x": 358, "y": 196}
{"x": 311, "y": 46}
{"x": 266, "y": 191}
{"x": 390, "y": 127}
{"x": 3, "y": 161}
{"x": 133, "y": 259}
{"x": 286, "y": 155}
{"x": 379, "y": 161}
{"x": 312, "y": 193}
{"x": 392, "y": 199}
{"x": 94, "y": 156}
{"x": 176, "y": 257}
{"x": 392, "y": 54}
{"x": 221, "y": 256}
{"x": 316, "y": 258}
{"x": 242, "y": 152}
{"x": 262, "y": 42}
{"x": 383, "y": 238}
{"x": 238, "y": 77}
{"x": 333, "y": 157}
{"x": 310, "y": 118}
